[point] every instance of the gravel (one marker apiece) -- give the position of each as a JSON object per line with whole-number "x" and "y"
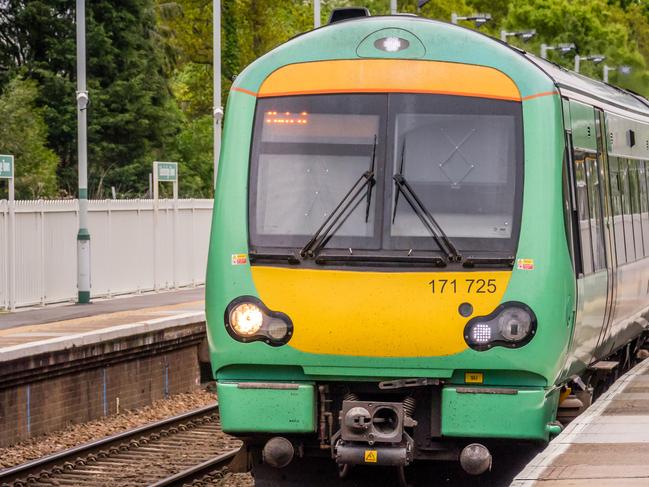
{"x": 235, "y": 480}
{"x": 82, "y": 433}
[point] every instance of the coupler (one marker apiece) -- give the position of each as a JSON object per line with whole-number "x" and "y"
{"x": 372, "y": 433}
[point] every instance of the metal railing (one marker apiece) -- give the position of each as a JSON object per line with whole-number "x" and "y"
{"x": 136, "y": 246}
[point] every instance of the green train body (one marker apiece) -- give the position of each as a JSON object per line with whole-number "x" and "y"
{"x": 375, "y": 320}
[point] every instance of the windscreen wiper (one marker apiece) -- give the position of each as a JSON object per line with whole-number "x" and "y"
{"x": 402, "y": 186}
{"x": 378, "y": 260}
{"x": 256, "y": 256}
{"x": 472, "y": 261}
{"x": 341, "y": 213}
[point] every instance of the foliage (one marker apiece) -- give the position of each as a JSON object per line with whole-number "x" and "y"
{"x": 23, "y": 134}
{"x": 131, "y": 118}
{"x": 194, "y": 148}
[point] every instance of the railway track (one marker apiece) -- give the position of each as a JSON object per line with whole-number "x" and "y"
{"x": 189, "y": 448}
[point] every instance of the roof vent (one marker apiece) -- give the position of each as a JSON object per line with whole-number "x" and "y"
{"x": 340, "y": 14}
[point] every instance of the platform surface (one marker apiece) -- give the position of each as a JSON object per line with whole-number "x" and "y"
{"x": 608, "y": 445}
{"x": 26, "y": 333}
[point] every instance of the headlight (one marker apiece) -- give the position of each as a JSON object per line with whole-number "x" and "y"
{"x": 247, "y": 319}
{"x": 511, "y": 325}
{"x": 514, "y": 324}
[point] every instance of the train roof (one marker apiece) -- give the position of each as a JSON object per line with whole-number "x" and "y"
{"x": 574, "y": 82}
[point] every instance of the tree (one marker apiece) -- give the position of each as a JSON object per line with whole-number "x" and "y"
{"x": 23, "y": 133}
{"x": 594, "y": 26}
{"x": 132, "y": 118}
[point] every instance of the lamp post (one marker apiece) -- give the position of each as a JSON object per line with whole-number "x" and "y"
{"x": 524, "y": 35}
{"x": 216, "y": 62}
{"x": 316, "y": 14}
{"x": 594, "y": 58}
{"x": 563, "y": 48}
{"x": 619, "y": 69}
{"x": 83, "y": 235}
{"x": 478, "y": 19}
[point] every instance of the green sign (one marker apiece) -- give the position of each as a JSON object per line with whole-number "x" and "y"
{"x": 6, "y": 167}
{"x": 167, "y": 171}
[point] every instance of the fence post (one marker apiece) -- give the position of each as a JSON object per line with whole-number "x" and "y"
{"x": 193, "y": 242}
{"x": 174, "y": 240}
{"x": 41, "y": 205}
{"x": 5, "y": 224}
{"x": 155, "y": 229}
{"x": 110, "y": 248}
{"x": 12, "y": 247}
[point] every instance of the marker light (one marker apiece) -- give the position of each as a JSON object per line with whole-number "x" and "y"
{"x": 391, "y": 44}
{"x": 511, "y": 325}
{"x": 481, "y": 333}
{"x": 247, "y": 319}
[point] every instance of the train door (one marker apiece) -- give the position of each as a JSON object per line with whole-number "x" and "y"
{"x": 592, "y": 253}
{"x": 608, "y": 213}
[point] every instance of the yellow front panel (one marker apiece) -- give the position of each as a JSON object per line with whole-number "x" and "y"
{"x": 378, "y": 314}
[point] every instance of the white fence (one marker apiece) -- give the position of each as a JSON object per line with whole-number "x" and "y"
{"x": 134, "y": 248}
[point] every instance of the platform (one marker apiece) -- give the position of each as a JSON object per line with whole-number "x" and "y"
{"x": 51, "y": 329}
{"x": 608, "y": 445}
{"x": 75, "y": 363}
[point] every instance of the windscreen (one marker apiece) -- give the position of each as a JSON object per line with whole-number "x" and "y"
{"x": 310, "y": 152}
{"x": 461, "y": 157}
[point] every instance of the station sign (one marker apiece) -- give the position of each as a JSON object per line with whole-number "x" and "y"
{"x": 6, "y": 167}
{"x": 167, "y": 171}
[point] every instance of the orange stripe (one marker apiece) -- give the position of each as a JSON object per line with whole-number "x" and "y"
{"x": 243, "y": 90}
{"x": 380, "y": 90}
{"x": 389, "y": 75}
{"x": 539, "y": 95}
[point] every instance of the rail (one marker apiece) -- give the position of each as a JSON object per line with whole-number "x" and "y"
{"x": 166, "y": 452}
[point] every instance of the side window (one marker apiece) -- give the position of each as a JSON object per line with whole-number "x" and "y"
{"x": 595, "y": 204}
{"x": 584, "y": 213}
{"x": 626, "y": 210}
{"x": 634, "y": 187}
{"x": 618, "y": 215}
{"x": 644, "y": 205}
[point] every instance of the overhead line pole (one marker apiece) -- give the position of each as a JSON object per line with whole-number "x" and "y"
{"x": 216, "y": 61}
{"x": 83, "y": 235}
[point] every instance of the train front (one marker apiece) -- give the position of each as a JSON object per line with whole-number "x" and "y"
{"x": 389, "y": 279}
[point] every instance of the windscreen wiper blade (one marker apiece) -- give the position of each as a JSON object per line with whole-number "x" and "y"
{"x": 369, "y": 189}
{"x": 402, "y": 186}
{"x": 426, "y": 218}
{"x": 341, "y": 213}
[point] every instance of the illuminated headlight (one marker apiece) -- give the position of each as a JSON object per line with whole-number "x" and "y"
{"x": 511, "y": 325}
{"x": 247, "y": 319}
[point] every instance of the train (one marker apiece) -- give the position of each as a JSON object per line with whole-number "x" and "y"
{"x": 424, "y": 242}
